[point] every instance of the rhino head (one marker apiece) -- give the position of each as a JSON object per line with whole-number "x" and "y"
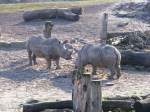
{"x": 66, "y": 50}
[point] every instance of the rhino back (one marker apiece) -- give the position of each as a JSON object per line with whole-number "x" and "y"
{"x": 98, "y": 55}
{"x": 88, "y": 54}
{"x": 110, "y": 55}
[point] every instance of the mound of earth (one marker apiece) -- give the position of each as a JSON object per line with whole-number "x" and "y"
{"x": 130, "y": 24}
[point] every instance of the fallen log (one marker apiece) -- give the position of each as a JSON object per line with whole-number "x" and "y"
{"x": 37, "y": 107}
{"x": 114, "y": 104}
{"x": 71, "y": 14}
{"x": 67, "y": 14}
{"x": 142, "y": 106}
{"x": 106, "y": 105}
{"x": 130, "y": 57}
{"x": 58, "y": 110}
{"x": 40, "y": 14}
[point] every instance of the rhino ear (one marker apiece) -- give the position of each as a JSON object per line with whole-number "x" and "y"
{"x": 65, "y": 42}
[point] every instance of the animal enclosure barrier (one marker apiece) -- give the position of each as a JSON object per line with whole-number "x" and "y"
{"x": 86, "y": 93}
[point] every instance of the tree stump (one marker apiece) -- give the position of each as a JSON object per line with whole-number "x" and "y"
{"x": 86, "y": 94}
{"x": 48, "y": 29}
{"x": 81, "y": 93}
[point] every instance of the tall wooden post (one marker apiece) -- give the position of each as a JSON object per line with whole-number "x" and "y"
{"x": 86, "y": 93}
{"x": 103, "y": 33}
{"x": 96, "y": 96}
{"x": 48, "y": 29}
{"x": 81, "y": 92}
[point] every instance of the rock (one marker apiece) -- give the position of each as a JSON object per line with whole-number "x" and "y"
{"x": 72, "y": 41}
{"x": 126, "y": 14}
{"x": 122, "y": 14}
{"x": 30, "y": 101}
{"x": 122, "y": 24}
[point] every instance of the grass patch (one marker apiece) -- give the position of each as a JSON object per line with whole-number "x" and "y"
{"x": 60, "y": 4}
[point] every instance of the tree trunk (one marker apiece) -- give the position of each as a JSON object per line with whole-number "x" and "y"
{"x": 71, "y": 14}
{"x": 136, "y": 58}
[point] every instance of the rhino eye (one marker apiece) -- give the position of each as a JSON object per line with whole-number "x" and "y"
{"x": 59, "y": 42}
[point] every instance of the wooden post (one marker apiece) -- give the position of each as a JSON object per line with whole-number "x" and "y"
{"x": 81, "y": 92}
{"x": 96, "y": 96}
{"x": 103, "y": 33}
{"x": 48, "y": 29}
{"x": 86, "y": 93}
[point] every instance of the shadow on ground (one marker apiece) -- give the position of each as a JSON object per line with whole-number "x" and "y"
{"x": 12, "y": 46}
{"x": 21, "y": 72}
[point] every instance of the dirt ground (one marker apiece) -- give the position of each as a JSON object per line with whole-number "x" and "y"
{"x": 20, "y": 82}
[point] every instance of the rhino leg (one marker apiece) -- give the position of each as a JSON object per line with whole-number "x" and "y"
{"x": 113, "y": 72}
{"x": 48, "y": 63}
{"x": 57, "y": 64}
{"x": 94, "y": 70}
{"x": 118, "y": 69}
{"x": 34, "y": 59}
{"x": 30, "y": 57}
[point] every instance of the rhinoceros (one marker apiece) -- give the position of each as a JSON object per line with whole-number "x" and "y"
{"x": 48, "y": 48}
{"x": 100, "y": 55}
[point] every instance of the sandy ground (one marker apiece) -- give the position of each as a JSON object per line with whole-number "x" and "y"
{"x": 20, "y": 82}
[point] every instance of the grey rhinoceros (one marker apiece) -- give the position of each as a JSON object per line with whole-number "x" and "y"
{"x": 48, "y": 48}
{"x": 100, "y": 55}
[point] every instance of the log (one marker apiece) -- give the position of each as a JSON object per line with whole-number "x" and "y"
{"x": 106, "y": 105}
{"x": 37, "y": 107}
{"x": 114, "y": 104}
{"x": 67, "y": 15}
{"x": 96, "y": 96}
{"x": 130, "y": 57}
{"x": 48, "y": 29}
{"x": 142, "y": 106}
{"x": 71, "y": 14}
{"x": 40, "y": 14}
